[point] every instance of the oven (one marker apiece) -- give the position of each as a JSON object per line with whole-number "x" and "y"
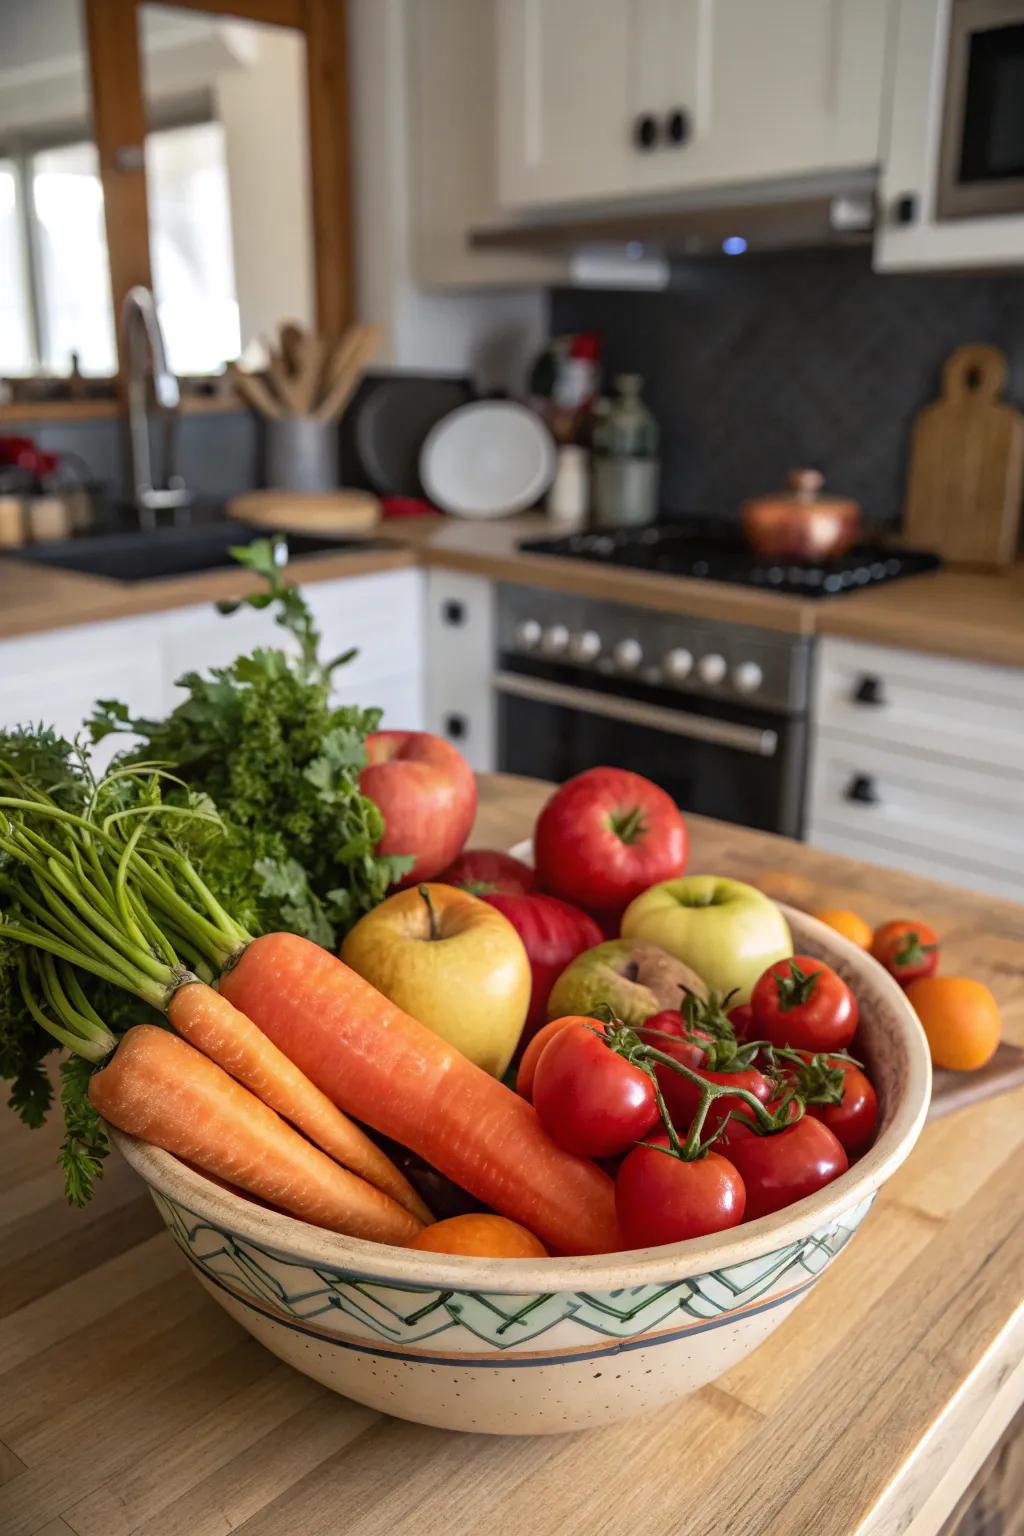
{"x": 981, "y": 163}
{"x": 716, "y": 713}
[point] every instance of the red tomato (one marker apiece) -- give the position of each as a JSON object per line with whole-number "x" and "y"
{"x": 906, "y": 949}
{"x": 671, "y": 1024}
{"x": 742, "y": 1020}
{"x": 683, "y": 1097}
{"x": 483, "y": 871}
{"x": 785, "y": 1165}
{"x": 553, "y": 934}
{"x": 591, "y": 1101}
{"x": 853, "y": 1120}
{"x": 742, "y": 1122}
{"x": 803, "y": 1003}
{"x": 662, "y": 1199}
{"x": 605, "y": 836}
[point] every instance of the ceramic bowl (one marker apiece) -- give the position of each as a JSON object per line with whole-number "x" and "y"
{"x": 540, "y": 1346}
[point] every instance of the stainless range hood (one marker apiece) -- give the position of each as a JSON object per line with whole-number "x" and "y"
{"x": 763, "y": 216}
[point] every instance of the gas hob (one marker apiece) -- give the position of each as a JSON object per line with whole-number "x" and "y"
{"x": 700, "y": 549}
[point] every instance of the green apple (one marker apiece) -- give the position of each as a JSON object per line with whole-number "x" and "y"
{"x": 632, "y": 978}
{"x": 729, "y": 932}
{"x": 453, "y": 962}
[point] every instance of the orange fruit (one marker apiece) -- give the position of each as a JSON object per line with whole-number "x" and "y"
{"x": 848, "y": 923}
{"x": 482, "y": 1235}
{"x": 960, "y": 1018}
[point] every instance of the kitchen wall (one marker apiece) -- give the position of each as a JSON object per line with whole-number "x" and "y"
{"x": 756, "y": 364}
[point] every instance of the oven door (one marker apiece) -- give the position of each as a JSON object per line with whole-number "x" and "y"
{"x": 742, "y": 766}
{"x": 981, "y": 165}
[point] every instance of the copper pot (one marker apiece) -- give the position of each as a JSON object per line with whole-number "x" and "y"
{"x": 800, "y": 525}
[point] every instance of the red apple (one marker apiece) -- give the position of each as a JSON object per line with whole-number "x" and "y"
{"x": 554, "y": 933}
{"x": 486, "y": 872}
{"x": 606, "y": 836}
{"x": 426, "y": 792}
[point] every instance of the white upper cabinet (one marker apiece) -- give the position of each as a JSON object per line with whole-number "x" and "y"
{"x": 613, "y": 98}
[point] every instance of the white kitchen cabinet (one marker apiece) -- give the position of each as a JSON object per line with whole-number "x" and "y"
{"x": 57, "y": 677}
{"x": 918, "y": 762}
{"x": 460, "y": 630}
{"x": 727, "y": 91}
{"x": 910, "y": 236}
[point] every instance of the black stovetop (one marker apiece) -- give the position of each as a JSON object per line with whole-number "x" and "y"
{"x": 708, "y": 550}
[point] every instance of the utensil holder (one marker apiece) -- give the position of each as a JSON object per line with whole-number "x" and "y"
{"x": 302, "y": 454}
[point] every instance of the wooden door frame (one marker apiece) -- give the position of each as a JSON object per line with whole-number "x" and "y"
{"x": 119, "y": 125}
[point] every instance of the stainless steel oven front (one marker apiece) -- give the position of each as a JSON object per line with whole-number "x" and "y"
{"x": 981, "y": 161}
{"x": 716, "y": 713}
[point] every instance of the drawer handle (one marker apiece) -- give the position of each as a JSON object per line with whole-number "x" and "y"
{"x": 645, "y": 131}
{"x": 869, "y": 691}
{"x": 862, "y": 790}
{"x": 677, "y": 126}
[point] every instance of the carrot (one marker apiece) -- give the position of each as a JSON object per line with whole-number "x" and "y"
{"x": 216, "y": 1027}
{"x": 162, "y": 1090}
{"x": 389, "y": 1071}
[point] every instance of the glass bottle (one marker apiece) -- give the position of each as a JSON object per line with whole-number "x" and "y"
{"x": 625, "y": 461}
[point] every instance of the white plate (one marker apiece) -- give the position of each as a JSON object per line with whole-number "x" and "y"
{"x": 487, "y": 459}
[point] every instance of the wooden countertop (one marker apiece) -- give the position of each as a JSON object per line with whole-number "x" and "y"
{"x": 956, "y": 613}
{"x": 130, "y": 1403}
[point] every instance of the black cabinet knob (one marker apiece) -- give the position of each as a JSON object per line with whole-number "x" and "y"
{"x": 677, "y": 126}
{"x": 904, "y": 209}
{"x": 456, "y": 727}
{"x": 645, "y": 131}
{"x": 869, "y": 691}
{"x": 862, "y": 790}
{"x": 453, "y": 613}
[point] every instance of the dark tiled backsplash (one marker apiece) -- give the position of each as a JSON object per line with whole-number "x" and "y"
{"x": 755, "y": 365}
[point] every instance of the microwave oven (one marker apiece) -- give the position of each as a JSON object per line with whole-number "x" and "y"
{"x": 981, "y": 159}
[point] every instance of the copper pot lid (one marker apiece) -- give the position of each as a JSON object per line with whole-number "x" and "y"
{"x": 804, "y": 488}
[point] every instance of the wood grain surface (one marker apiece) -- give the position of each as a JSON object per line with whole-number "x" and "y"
{"x": 130, "y": 1405}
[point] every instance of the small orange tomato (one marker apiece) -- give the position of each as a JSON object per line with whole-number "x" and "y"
{"x": 960, "y": 1018}
{"x": 848, "y": 923}
{"x": 534, "y": 1050}
{"x": 907, "y": 948}
{"x": 482, "y": 1235}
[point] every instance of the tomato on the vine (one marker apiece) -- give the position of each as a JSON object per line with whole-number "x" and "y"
{"x": 785, "y": 1165}
{"x": 682, "y": 1097}
{"x": 663, "y": 1198}
{"x": 590, "y": 1099}
{"x": 802, "y": 1003}
{"x": 742, "y": 1020}
{"x": 852, "y": 1116}
{"x": 668, "y": 1031}
{"x": 907, "y": 949}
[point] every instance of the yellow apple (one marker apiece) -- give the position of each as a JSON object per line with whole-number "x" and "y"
{"x": 728, "y": 931}
{"x": 453, "y": 962}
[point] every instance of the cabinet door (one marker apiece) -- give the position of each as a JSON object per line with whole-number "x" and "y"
{"x": 563, "y": 98}
{"x": 460, "y": 647}
{"x": 753, "y": 90}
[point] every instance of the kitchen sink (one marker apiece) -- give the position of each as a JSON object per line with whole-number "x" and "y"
{"x": 135, "y": 556}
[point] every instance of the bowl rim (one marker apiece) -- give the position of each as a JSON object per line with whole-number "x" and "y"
{"x": 299, "y": 1242}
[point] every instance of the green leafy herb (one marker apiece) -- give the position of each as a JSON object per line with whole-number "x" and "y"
{"x": 263, "y": 740}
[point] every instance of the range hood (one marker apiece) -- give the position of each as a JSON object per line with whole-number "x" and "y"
{"x": 761, "y": 216}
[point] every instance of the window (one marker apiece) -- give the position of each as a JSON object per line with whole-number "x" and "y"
{"x": 55, "y": 301}
{"x": 76, "y": 316}
{"x": 190, "y": 246}
{"x": 17, "y": 351}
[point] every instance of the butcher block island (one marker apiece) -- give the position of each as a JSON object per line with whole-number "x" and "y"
{"x": 130, "y": 1403}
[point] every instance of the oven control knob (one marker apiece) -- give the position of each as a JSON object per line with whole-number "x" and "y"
{"x": 712, "y": 668}
{"x": 747, "y": 677}
{"x": 677, "y": 664}
{"x": 628, "y": 655}
{"x": 585, "y": 645}
{"x": 528, "y": 634}
{"x": 554, "y": 640}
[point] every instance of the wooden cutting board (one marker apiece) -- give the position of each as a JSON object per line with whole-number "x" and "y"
{"x": 954, "y": 1090}
{"x": 966, "y": 479}
{"x": 307, "y": 511}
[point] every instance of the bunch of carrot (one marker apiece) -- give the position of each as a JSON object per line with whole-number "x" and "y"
{"x": 258, "y": 1081}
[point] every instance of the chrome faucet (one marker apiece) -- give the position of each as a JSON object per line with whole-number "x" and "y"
{"x": 141, "y": 335}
